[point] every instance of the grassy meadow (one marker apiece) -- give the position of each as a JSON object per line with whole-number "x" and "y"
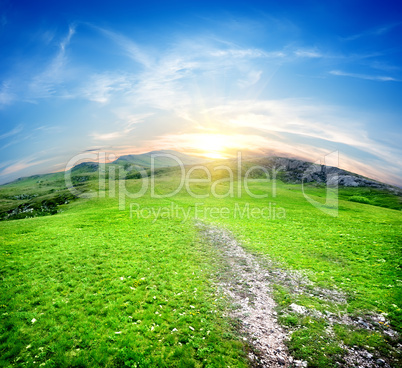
{"x": 97, "y": 286}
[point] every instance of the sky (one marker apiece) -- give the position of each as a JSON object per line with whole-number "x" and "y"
{"x": 300, "y": 79}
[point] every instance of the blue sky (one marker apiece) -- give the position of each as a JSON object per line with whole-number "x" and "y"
{"x": 294, "y": 78}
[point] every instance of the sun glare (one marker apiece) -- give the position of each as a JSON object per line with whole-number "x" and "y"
{"x": 214, "y": 155}
{"x": 212, "y": 145}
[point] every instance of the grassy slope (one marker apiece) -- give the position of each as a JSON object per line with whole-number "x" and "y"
{"x": 69, "y": 266}
{"x": 358, "y": 252}
{"x": 65, "y": 271}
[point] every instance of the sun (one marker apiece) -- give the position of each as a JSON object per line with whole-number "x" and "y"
{"x": 215, "y": 146}
{"x": 212, "y": 145}
{"x": 214, "y": 155}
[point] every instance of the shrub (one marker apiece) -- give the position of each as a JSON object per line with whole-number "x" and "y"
{"x": 359, "y": 199}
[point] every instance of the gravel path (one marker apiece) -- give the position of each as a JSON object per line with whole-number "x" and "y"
{"x": 246, "y": 283}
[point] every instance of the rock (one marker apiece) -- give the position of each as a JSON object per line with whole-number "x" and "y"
{"x": 281, "y": 360}
{"x": 300, "y": 363}
{"x": 368, "y": 355}
{"x": 298, "y": 308}
{"x": 380, "y": 362}
{"x": 364, "y": 324}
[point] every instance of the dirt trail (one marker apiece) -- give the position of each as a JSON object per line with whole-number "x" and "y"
{"x": 247, "y": 280}
{"x": 246, "y": 283}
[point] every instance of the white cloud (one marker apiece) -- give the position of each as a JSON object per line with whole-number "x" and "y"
{"x": 252, "y": 78}
{"x": 175, "y": 82}
{"x": 65, "y": 41}
{"x": 187, "y": 84}
{"x": 364, "y": 76}
{"x": 101, "y": 87}
{"x": 107, "y": 136}
{"x": 130, "y": 120}
{"x": 247, "y": 53}
{"x": 304, "y": 118}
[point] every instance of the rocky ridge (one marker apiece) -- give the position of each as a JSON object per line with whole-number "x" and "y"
{"x": 297, "y": 171}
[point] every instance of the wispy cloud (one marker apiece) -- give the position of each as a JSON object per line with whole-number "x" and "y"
{"x": 250, "y": 79}
{"x": 126, "y": 124}
{"x": 107, "y": 136}
{"x": 201, "y": 84}
{"x": 374, "y": 169}
{"x": 49, "y": 129}
{"x": 16, "y": 140}
{"x": 101, "y": 87}
{"x": 247, "y": 53}
{"x": 130, "y": 48}
{"x": 177, "y": 77}
{"x": 264, "y": 137}
{"x": 377, "y": 31}
{"x": 308, "y": 53}
{"x": 128, "y": 120}
{"x": 14, "y": 131}
{"x": 174, "y": 82}
{"x": 6, "y": 95}
{"x": 381, "y": 65}
{"x": 14, "y": 137}
{"x": 44, "y": 84}
{"x": 304, "y": 118}
{"x": 22, "y": 165}
{"x": 379, "y": 78}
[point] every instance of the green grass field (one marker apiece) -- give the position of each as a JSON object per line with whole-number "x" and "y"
{"x": 98, "y": 286}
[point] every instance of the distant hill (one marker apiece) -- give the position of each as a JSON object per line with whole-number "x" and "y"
{"x": 144, "y": 159}
{"x": 85, "y": 167}
{"x": 289, "y": 170}
{"x": 44, "y": 194}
